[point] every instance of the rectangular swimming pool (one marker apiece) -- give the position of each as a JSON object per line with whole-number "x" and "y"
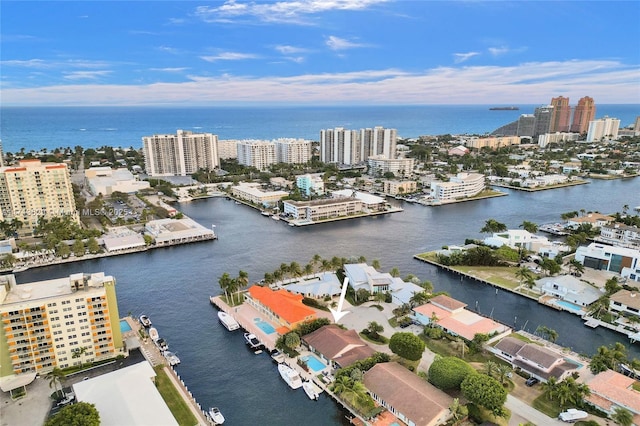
{"x": 264, "y": 326}
{"x": 568, "y": 305}
{"x": 313, "y": 363}
{"x": 124, "y": 326}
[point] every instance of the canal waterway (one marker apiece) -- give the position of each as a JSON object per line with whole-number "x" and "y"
{"x": 173, "y": 285}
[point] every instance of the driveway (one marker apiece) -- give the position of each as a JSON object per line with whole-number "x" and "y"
{"x": 520, "y": 411}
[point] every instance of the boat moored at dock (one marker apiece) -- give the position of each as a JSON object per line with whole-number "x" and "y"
{"x": 216, "y": 416}
{"x": 228, "y": 321}
{"x": 253, "y": 343}
{"x": 290, "y": 376}
{"x": 310, "y": 390}
{"x": 172, "y": 358}
{"x": 145, "y": 321}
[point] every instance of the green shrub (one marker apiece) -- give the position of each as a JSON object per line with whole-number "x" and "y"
{"x": 448, "y": 372}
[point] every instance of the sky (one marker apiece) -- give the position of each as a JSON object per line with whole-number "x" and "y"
{"x": 317, "y": 52}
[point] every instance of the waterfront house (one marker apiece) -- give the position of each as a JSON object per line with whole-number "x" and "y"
{"x": 519, "y": 238}
{"x": 363, "y": 276}
{"x": 610, "y": 390}
{"x": 127, "y": 396}
{"x": 317, "y": 287}
{"x": 450, "y": 315}
{"x": 621, "y": 235}
{"x": 625, "y": 301}
{"x": 177, "y": 231}
{"x": 407, "y": 396}
{"x": 337, "y": 347}
{"x": 624, "y": 261}
{"x": 279, "y": 306}
{"x": 596, "y": 220}
{"x": 569, "y": 289}
{"x": 539, "y": 361}
{"x": 370, "y": 202}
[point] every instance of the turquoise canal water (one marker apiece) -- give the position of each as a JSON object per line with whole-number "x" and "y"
{"x": 172, "y": 285}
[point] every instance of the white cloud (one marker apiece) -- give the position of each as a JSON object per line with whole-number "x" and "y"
{"x": 291, "y": 12}
{"x": 337, "y": 43}
{"x": 288, "y": 50}
{"x": 503, "y": 50}
{"x": 462, "y": 57}
{"x": 169, "y": 69}
{"x": 229, "y": 56}
{"x": 605, "y": 81}
{"x": 168, "y": 49}
{"x": 85, "y": 75}
{"x": 29, "y": 63}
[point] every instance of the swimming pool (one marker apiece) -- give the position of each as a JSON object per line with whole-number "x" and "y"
{"x": 124, "y": 326}
{"x": 313, "y": 363}
{"x": 264, "y": 326}
{"x": 568, "y": 305}
{"x": 574, "y": 362}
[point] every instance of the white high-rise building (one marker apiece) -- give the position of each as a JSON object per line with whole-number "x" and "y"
{"x": 181, "y": 154}
{"x": 292, "y": 151}
{"x": 256, "y": 153}
{"x": 343, "y": 146}
{"x": 603, "y": 128}
{"x": 228, "y": 149}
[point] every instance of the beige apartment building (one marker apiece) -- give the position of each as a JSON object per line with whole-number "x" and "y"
{"x": 181, "y": 154}
{"x": 379, "y": 165}
{"x": 58, "y": 323}
{"x": 251, "y": 192}
{"x": 493, "y": 142}
{"x": 461, "y": 186}
{"x": 323, "y": 209}
{"x": 33, "y": 189}
{"x": 395, "y": 187}
{"x": 292, "y": 151}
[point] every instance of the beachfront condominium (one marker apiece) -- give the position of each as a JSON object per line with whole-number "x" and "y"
{"x": 181, "y": 154}
{"x": 350, "y": 147}
{"x": 542, "y": 120}
{"x": 561, "y": 115}
{"x": 59, "y": 323}
{"x": 292, "y": 151}
{"x": 256, "y": 153}
{"x": 31, "y": 190}
{"x": 603, "y": 128}
{"x": 583, "y": 113}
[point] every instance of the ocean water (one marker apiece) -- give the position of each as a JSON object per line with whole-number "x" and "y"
{"x": 36, "y": 128}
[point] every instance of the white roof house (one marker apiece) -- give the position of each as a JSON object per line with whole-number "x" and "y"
{"x": 326, "y": 284}
{"x": 126, "y": 397}
{"x": 624, "y": 261}
{"x": 369, "y": 200}
{"x": 569, "y": 289}
{"x": 363, "y": 276}
{"x": 516, "y": 238}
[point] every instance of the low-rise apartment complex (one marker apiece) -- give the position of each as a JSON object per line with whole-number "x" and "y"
{"x": 461, "y": 186}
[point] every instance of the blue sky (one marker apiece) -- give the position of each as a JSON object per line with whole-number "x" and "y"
{"x": 318, "y": 52}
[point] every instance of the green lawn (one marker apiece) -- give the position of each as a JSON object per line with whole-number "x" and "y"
{"x": 174, "y": 400}
{"x": 444, "y": 347}
{"x": 550, "y": 408}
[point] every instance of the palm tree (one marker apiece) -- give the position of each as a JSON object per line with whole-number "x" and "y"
{"x": 225, "y": 283}
{"x": 292, "y": 340}
{"x": 79, "y": 353}
{"x": 490, "y": 367}
{"x": 427, "y": 285}
{"x": 395, "y": 272}
{"x": 55, "y": 378}
{"x": 523, "y": 273}
{"x": 316, "y": 259}
{"x": 308, "y": 269}
{"x": 503, "y": 370}
{"x": 622, "y": 416}
{"x": 375, "y": 329}
{"x": 294, "y": 269}
{"x": 419, "y": 298}
{"x": 242, "y": 281}
{"x": 492, "y": 226}
{"x": 325, "y": 265}
{"x": 375, "y": 264}
{"x": 529, "y": 227}
{"x": 550, "y": 387}
{"x": 576, "y": 266}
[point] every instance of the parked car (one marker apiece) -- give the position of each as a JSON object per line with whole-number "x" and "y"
{"x": 531, "y": 381}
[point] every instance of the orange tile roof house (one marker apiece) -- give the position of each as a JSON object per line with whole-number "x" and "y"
{"x": 337, "y": 346}
{"x": 451, "y": 315}
{"x": 610, "y": 389}
{"x": 410, "y": 398}
{"x": 279, "y": 306}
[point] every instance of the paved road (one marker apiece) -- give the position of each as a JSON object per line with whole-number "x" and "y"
{"x": 520, "y": 410}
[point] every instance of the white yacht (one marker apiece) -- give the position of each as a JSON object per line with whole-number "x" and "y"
{"x": 145, "y": 321}
{"x": 216, "y": 415}
{"x": 153, "y": 333}
{"x": 228, "y": 321}
{"x": 290, "y": 376}
{"x": 253, "y": 342}
{"x": 277, "y": 356}
{"x": 310, "y": 390}
{"x": 172, "y": 358}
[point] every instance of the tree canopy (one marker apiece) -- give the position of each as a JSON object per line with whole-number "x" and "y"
{"x": 79, "y": 414}
{"x": 485, "y": 391}
{"x": 407, "y": 345}
{"x": 448, "y": 372}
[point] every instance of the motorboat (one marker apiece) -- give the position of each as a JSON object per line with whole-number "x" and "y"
{"x": 253, "y": 342}
{"x": 153, "y": 333}
{"x": 161, "y": 344}
{"x": 216, "y": 415}
{"x": 277, "y": 356}
{"x": 171, "y": 358}
{"x": 145, "y": 321}
{"x": 265, "y": 213}
{"x": 228, "y": 321}
{"x": 310, "y": 390}
{"x": 275, "y": 217}
{"x": 290, "y": 376}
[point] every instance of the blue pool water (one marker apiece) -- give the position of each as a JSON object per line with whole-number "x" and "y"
{"x": 574, "y": 362}
{"x": 124, "y": 326}
{"x": 264, "y": 326}
{"x": 568, "y": 305}
{"x": 313, "y": 363}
